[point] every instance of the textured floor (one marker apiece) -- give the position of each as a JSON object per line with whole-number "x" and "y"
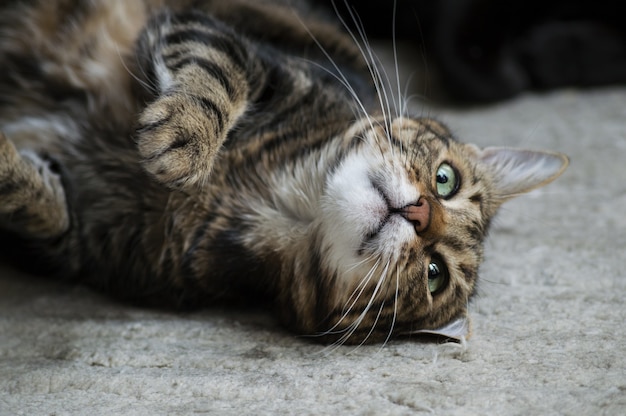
{"x": 548, "y": 322}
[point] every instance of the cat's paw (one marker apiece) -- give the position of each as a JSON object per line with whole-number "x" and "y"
{"x": 178, "y": 139}
{"x": 9, "y": 158}
{"x": 53, "y": 217}
{"x": 32, "y": 196}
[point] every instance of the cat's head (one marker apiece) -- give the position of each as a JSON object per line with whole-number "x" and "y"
{"x": 404, "y": 217}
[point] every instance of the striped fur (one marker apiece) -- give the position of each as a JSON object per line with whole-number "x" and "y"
{"x": 179, "y": 155}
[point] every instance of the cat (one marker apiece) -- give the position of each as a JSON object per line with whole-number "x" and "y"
{"x": 186, "y": 153}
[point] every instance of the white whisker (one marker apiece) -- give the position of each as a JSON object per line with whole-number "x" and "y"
{"x": 141, "y": 82}
{"x": 380, "y": 311}
{"x": 370, "y": 58}
{"x": 343, "y": 81}
{"x": 356, "y": 294}
{"x": 362, "y": 285}
{"x": 395, "y": 309}
{"x": 360, "y": 263}
{"x": 357, "y": 322}
{"x": 340, "y": 77}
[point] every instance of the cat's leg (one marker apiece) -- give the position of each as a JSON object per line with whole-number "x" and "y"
{"x": 32, "y": 197}
{"x": 200, "y": 69}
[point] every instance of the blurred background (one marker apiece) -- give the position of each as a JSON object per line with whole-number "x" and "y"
{"x": 490, "y": 50}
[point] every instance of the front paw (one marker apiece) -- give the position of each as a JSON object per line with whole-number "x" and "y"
{"x": 9, "y": 158}
{"x": 178, "y": 139}
{"x": 32, "y": 195}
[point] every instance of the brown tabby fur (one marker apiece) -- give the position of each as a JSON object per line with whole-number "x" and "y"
{"x": 190, "y": 151}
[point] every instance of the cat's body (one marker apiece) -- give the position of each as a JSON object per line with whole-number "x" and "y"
{"x": 183, "y": 155}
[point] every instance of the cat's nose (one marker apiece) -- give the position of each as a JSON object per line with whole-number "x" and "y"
{"x": 418, "y": 214}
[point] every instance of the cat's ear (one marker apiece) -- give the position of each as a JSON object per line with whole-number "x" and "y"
{"x": 516, "y": 171}
{"x": 459, "y": 330}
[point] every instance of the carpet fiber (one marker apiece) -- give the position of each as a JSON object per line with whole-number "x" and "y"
{"x": 548, "y": 322}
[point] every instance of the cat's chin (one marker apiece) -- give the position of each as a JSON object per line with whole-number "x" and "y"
{"x": 358, "y": 218}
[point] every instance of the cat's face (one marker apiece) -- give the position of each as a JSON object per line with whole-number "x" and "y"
{"x": 403, "y": 221}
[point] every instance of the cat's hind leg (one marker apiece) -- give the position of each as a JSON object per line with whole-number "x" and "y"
{"x": 32, "y": 196}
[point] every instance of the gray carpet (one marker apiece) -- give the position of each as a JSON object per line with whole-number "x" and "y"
{"x": 548, "y": 322}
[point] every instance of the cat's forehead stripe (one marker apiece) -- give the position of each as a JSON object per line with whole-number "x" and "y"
{"x": 469, "y": 272}
{"x": 424, "y": 131}
{"x": 454, "y": 242}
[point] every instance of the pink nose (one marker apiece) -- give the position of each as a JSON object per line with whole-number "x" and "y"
{"x": 418, "y": 214}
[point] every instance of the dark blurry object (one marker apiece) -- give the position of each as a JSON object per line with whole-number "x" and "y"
{"x": 486, "y": 50}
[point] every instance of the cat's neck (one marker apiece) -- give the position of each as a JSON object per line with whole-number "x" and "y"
{"x": 286, "y": 219}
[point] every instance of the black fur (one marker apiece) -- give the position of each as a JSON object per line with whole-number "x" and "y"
{"x": 487, "y": 50}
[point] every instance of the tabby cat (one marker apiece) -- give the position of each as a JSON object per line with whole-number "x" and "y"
{"x": 201, "y": 151}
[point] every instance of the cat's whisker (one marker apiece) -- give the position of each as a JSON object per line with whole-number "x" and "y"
{"x": 355, "y": 325}
{"x": 373, "y": 63}
{"x": 407, "y": 97}
{"x": 104, "y": 34}
{"x": 351, "y": 329}
{"x": 383, "y": 89}
{"x": 410, "y": 98}
{"x": 341, "y": 77}
{"x": 383, "y": 85}
{"x": 395, "y": 310}
{"x": 362, "y": 285}
{"x": 144, "y": 84}
{"x": 356, "y": 294}
{"x": 400, "y": 108}
{"x": 364, "y": 340}
{"x": 377, "y": 70}
{"x": 360, "y": 263}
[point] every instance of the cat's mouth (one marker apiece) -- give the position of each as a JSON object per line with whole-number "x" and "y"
{"x": 390, "y": 213}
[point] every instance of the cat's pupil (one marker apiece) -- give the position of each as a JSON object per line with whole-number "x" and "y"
{"x": 447, "y": 182}
{"x": 437, "y": 275}
{"x": 435, "y": 279}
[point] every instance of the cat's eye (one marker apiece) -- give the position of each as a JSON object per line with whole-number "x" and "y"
{"x": 437, "y": 275}
{"x": 447, "y": 180}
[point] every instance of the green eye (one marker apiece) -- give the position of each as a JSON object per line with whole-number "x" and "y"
{"x": 437, "y": 275}
{"x": 447, "y": 182}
